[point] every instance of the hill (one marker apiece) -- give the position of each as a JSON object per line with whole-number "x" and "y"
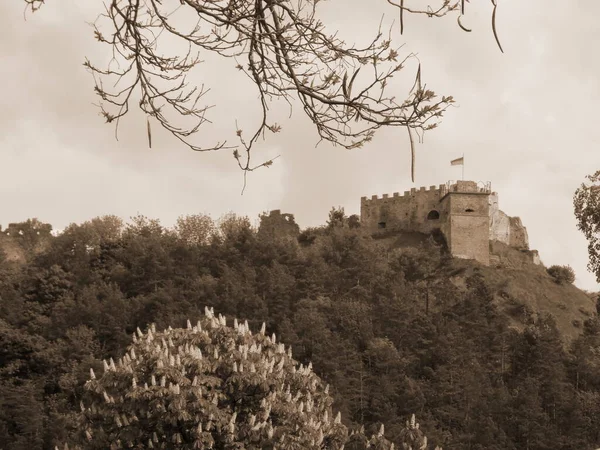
{"x": 393, "y": 324}
{"x": 521, "y": 289}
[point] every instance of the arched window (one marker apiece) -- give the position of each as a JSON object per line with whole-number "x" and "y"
{"x": 433, "y": 215}
{"x": 469, "y": 210}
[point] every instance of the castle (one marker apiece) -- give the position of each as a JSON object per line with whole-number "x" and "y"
{"x": 466, "y": 213}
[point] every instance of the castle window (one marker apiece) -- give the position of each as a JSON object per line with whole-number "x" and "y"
{"x": 381, "y": 225}
{"x": 469, "y": 210}
{"x": 433, "y": 215}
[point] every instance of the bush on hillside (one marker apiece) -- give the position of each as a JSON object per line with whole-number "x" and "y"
{"x": 562, "y": 274}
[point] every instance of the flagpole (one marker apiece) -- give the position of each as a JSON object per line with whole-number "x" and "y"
{"x": 463, "y": 167}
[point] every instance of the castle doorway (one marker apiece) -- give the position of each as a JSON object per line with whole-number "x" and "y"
{"x": 433, "y": 215}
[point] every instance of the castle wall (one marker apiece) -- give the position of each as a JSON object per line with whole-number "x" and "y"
{"x": 467, "y": 226}
{"x": 469, "y": 238}
{"x": 407, "y": 212}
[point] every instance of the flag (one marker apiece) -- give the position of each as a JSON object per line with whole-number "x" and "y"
{"x": 458, "y": 162}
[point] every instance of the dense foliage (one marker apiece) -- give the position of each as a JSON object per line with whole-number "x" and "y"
{"x": 385, "y": 328}
{"x": 586, "y": 202}
{"x": 562, "y": 274}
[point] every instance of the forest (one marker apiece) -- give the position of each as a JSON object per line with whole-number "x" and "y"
{"x": 386, "y": 328}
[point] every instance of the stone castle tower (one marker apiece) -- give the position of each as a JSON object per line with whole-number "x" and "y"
{"x": 465, "y": 212}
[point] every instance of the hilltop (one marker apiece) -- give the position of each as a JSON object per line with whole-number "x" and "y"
{"x": 520, "y": 284}
{"x": 522, "y": 289}
{"x": 391, "y": 321}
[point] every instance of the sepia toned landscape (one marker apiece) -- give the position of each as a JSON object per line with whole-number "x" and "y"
{"x": 299, "y": 224}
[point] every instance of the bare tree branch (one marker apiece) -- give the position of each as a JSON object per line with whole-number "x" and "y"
{"x": 446, "y": 7}
{"x": 282, "y": 47}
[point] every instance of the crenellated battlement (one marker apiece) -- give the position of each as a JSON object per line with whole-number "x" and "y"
{"x": 407, "y": 194}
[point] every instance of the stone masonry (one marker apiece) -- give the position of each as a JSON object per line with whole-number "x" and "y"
{"x": 278, "y": 226}
{"x": 465, "y": 212}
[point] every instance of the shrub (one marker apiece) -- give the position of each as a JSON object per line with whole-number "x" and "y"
{"x": 562, "y": 274}
{"x": 208, "y": 386}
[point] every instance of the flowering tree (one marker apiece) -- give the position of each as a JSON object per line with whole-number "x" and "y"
{"x": 208, "y": 386}
{"x": 411, "y": 438}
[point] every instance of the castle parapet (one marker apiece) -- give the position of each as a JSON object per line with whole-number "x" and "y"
{"x": 396, "y": 195}
{"x": 466, "y": 186}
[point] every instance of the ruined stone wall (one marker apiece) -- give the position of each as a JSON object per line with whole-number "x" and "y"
{"x": 504, "y": 255}
{"x": 11, "y": 249}
{"x": 407, "y": 212}
{"x": 518, "y": 234}
{"x": 499, "y": 222}
{"x": 277, "y": 225}
{"x": 506, "y": 229}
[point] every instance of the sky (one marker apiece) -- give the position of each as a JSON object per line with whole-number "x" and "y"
{"x": 526, "y": 120}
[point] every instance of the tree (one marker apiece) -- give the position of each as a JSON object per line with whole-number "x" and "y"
{"x": 411, "y": 438}
{"x": 31, "y": 235}
{"x": 195, "y": 229}
{"x": 587, "y": 212}
{"x": 21, "y": 416}
{"x": 208, "y": 386}
{"x": 562, "y": 274}
{"x": 337, "y": 218}
{"x": 282, "y": 47}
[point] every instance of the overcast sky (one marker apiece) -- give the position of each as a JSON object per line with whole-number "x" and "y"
{"x": 527, "y": 120}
